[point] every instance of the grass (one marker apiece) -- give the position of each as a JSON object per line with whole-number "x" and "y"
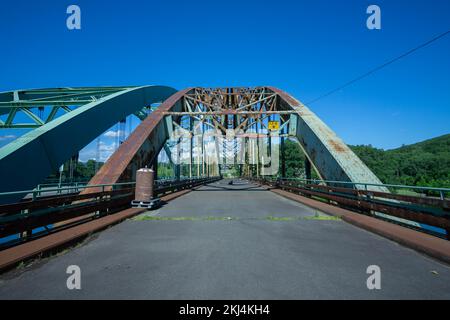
{"x": 158, "y": 218}
{"x": 316, "y": 216}
{"x": 406, "y": 192}
{"x": 219, "y": 218}
{"x": 323, "y": 218}
{"x": 272, "y": 218}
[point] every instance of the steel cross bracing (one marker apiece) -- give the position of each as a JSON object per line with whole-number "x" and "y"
{"x": 64, "y": 120}
{"x": 247, "y": 112}
{"x": 244, "y": 112}
{"x": 232, "y": 108}
{"x": 29, "y": 109}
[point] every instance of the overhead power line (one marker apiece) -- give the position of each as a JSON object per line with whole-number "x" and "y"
{"x": 379, "y": 67}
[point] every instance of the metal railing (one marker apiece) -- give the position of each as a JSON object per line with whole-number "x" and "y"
{"x": 23, "y": 218}
{"x": 38, "y": 192}
{"x": 46, "y": 189}
{"x": 71, "y": 187}
{"x": 395, "y": 188}
{"x": 420, "y": 211}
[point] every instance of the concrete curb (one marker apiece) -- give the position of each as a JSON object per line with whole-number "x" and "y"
{"x": 432, "y": 246}
{"x": 12, "y": 256}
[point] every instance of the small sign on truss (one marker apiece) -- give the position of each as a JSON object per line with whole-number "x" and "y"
{"x": 274, "y": 125}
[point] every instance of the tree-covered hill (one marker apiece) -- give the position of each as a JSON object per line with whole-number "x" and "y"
{"x": 426, "y": 163}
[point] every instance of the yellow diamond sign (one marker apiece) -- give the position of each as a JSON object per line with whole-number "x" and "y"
{"x": 274, "y": 125}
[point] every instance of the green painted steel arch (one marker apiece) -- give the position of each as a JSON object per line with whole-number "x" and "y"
{"x": 28, "y": 160}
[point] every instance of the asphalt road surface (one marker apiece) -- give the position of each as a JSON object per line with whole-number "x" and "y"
{"x": 232, "y": 242}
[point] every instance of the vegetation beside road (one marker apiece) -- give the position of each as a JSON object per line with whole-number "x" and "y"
{"x": 425, "y": 163}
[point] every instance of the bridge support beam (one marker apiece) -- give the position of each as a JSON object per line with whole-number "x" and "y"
{"x": 141, "y": 148}
{"x": 334, "y": 160}
{"x": 283, "y": 157}
{"x": 27, "y": 161}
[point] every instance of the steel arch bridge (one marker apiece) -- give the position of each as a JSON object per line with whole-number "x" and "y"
{"x": 85, "y": 113}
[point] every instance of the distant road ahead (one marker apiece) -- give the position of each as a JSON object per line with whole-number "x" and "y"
{"x": 233, "y": 242}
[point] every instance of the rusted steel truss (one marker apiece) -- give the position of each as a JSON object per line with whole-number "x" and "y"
{"x": 241, "y": 111}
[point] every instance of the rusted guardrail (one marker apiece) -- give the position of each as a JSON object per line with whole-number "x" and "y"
{"x": 40, "y": 212}
{"x": 430, "y": 211}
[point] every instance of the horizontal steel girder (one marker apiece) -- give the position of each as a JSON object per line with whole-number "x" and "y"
{"x": 26, "y": 102}
{"x": 229, "y": 112}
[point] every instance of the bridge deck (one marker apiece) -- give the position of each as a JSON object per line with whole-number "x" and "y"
{"x": 271, "y": 248}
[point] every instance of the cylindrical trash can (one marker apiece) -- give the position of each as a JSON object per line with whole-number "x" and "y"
{"x": 144, "y": 185}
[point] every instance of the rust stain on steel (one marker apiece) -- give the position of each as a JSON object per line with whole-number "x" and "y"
{"x": 115, "y": 168}
{"x": 331, "y": 156}
{"x": 9, "y": 257}
{"x": 287, "y": 97}
{"x": 337, "y": 146}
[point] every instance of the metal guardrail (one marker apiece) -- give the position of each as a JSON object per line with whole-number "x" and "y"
{"x": 423, "y": 212}
{"x": 59, "y": 190}
{"x": 182, "y": 184}
{"x": 443, "y": 192}
{"x": 73, "y": 187}
{"x": 39, "y": 211}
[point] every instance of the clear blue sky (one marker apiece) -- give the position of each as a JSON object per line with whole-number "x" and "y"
{"x": 303, "y": 47}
